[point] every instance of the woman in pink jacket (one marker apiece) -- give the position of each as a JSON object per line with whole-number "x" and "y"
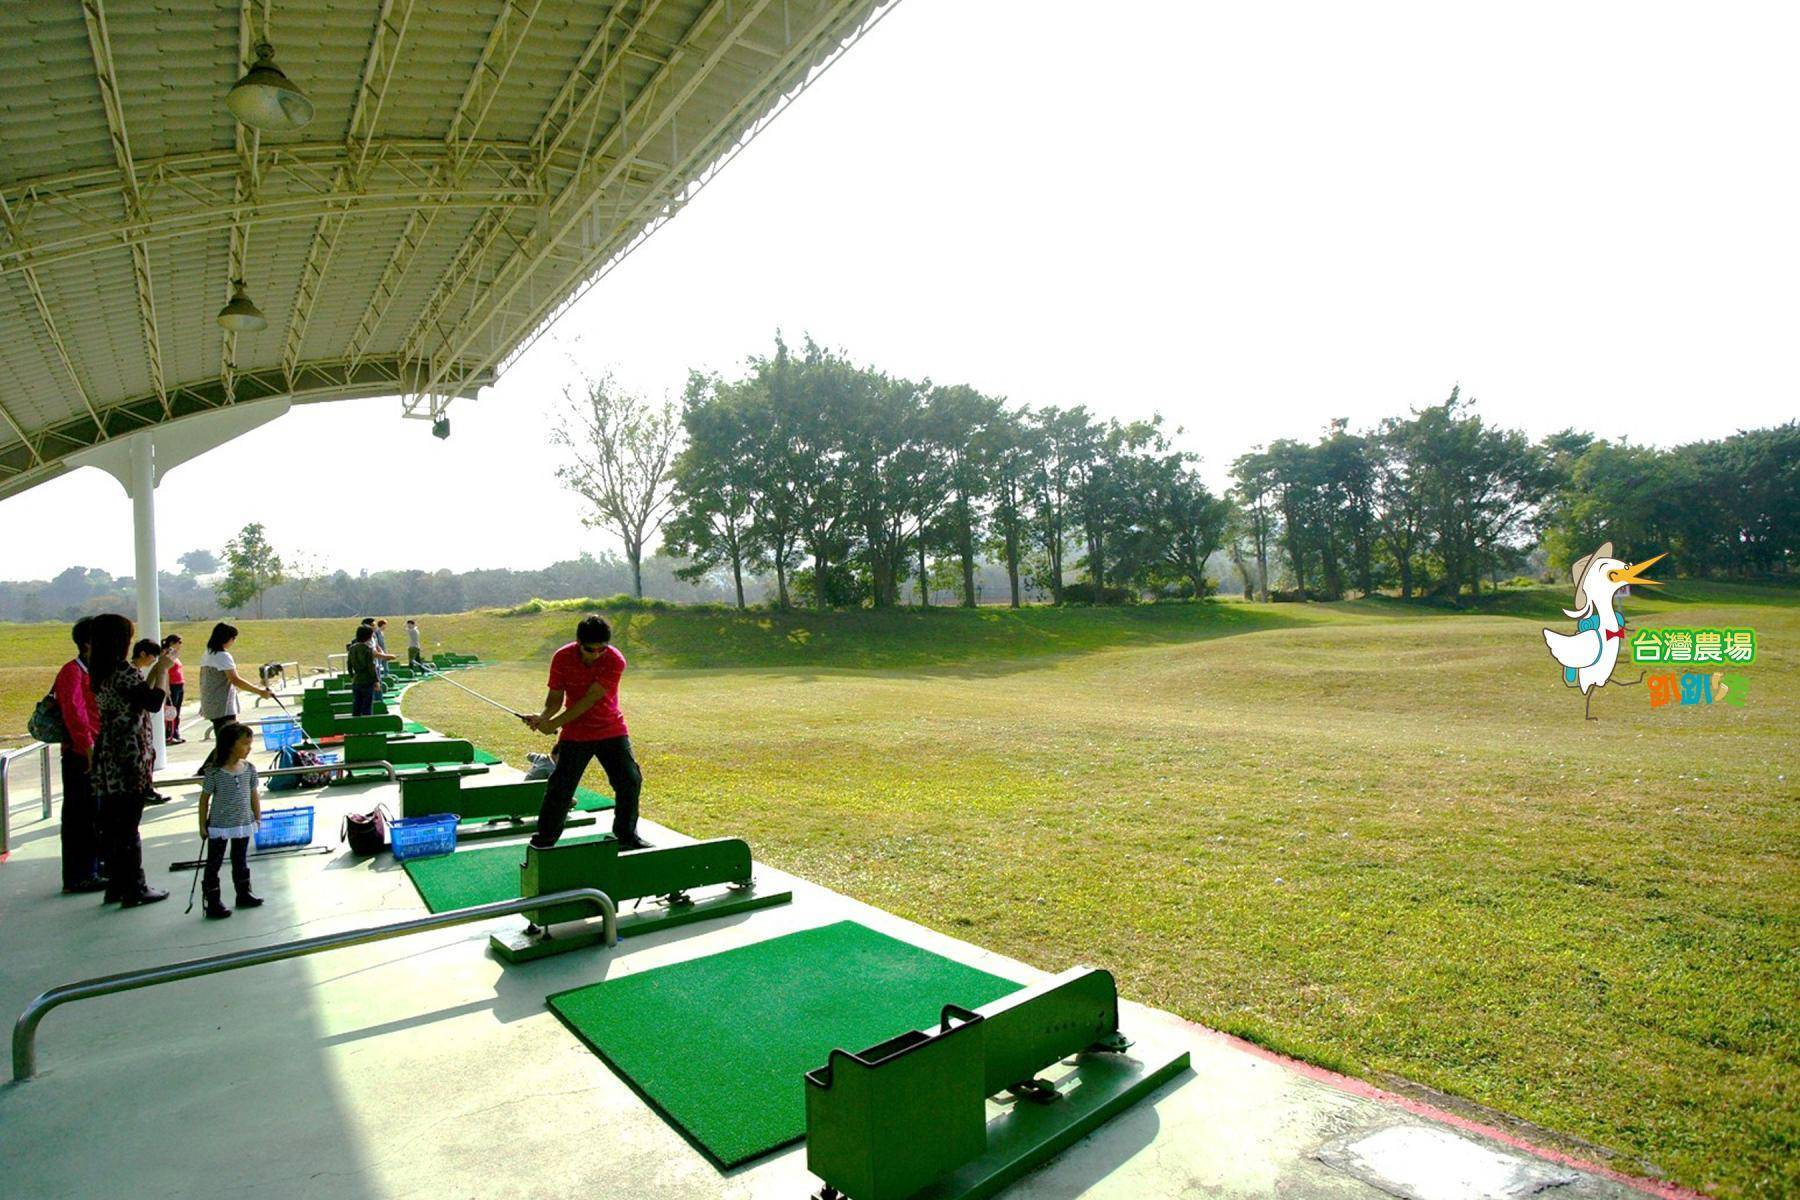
{"x": 82, "y": 869}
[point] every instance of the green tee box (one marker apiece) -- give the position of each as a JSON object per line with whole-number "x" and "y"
{"x": 328, "y": 726}
{"x": 481, "y": 876}
{"x": 370, "y": 747}
{"x": 749, "y": 1023}
{"x": 884, "y": 1122}
{"x": 907, "y": 1119}
{"x": 660, "y": 872}
{"x": 421, "y": 797}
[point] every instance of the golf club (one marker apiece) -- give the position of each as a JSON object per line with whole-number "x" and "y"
{"x": 286, "y": 852}
{"x": 432, "y": 671}
{"x": 198, "y": 862}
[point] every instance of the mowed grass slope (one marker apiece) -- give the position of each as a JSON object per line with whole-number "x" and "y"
{"x": 1382, "y": 841}
{"x": 1376, "y": 836}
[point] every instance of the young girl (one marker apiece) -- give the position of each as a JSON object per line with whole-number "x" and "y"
{"x": 230, "y": 807}
{"x": 172, "y": 710}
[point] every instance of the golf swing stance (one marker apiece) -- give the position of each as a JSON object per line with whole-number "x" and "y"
{"x": 582, "y": 709}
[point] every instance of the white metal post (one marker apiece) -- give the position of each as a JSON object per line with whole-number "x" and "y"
{"x": 143, "y": 522}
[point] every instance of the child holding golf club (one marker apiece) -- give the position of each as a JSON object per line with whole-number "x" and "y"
{"x": 230, "y": 807}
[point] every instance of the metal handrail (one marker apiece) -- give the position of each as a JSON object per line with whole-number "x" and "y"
{"x": 24, "y": 1037}
{"x": 42, "y": 749}
{"x": 377, "y": 763}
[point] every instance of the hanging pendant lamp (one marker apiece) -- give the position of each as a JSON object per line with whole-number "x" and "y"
{"x": 266, "y": 99}
{"x": 239, "y": 315}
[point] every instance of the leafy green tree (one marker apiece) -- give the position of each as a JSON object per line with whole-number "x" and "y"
{"x": 1400, "y": 470}
{"x": 1294, "y": 478}
{"x": 199, "y": 562}
{"x": 1191, "y": 523}
{"x": 252, "y": 567}
{"x": 961, "y": 419}
{"x": 1012, "y": 448}
{"x": 1254, "y": 490}
{"x": 713, "y": 524}
{"x": 1064, "y": 439}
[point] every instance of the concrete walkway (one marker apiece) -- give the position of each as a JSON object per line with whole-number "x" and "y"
{"x": 421, "y": 1067}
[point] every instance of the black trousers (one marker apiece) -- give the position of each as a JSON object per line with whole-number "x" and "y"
{"x": 572, "y": 759}
{"x": 240, "y": 864}
{"x": 119, "y": 817}
{"x": 172, "y": 710}
{"x": 362, "y": 699}
{"x": 80, "y": 822}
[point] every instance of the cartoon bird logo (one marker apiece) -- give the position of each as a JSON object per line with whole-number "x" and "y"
{"x": 1589, "y": 654}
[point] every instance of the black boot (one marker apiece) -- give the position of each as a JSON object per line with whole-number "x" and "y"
{"x": 144, "y": 895}
{"x": 245, "y": 899}
{"x": 215, "y": 907}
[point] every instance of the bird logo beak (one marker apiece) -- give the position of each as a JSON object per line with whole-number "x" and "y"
{"x": 1632, "y": 575}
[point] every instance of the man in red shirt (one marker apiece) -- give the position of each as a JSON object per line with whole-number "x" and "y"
{"x": 82, "y": 870}
{"x": 582, "y": 708}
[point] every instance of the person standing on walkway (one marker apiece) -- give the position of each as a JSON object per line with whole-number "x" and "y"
{"x": 124, "y": 752}
{"x": 415, "y": 646}
{"x": 365, "y": 672}
{"x": 177, "y": 689}
{"x": 74, "y": 691}
{"x": 582, "y": 709}
{"x": 230, "y": 807}
{"x": 220, "y": 681}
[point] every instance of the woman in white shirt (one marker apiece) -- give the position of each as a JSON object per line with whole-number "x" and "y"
{"x": 219, "y": 680}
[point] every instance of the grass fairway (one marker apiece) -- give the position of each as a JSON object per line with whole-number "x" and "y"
{"x": 1371, "y": 835}
{"x": 1380, "y": 840}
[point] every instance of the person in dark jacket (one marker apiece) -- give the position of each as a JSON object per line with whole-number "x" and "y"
{"x": 124, "y": 752}
{"x": 365, "y": 671}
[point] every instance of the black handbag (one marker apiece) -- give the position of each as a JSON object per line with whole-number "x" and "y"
{"x": 366, "y": 832}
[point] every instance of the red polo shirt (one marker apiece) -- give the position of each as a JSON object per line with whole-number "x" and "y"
{"x": 572, "y": 677}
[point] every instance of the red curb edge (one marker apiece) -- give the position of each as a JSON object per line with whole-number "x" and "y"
{"x": 1368, "y": 1091}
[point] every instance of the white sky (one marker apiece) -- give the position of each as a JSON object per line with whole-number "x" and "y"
{"x": 1250, "y": 217}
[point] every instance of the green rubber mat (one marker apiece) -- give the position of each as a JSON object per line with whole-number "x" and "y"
{"x": 719, "y": 1044}
{"x": 482, "y": 876}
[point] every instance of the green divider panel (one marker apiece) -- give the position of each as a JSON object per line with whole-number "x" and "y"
{"x": 484, "y": 875}
{"x": 422, "y": 797}
{"x": 371, "y": 747}
{"x": 721, "y": 1044}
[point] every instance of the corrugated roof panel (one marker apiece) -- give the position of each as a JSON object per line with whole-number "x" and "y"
{"x": 174, "y": 61}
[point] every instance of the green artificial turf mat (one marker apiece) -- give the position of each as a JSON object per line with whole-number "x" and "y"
{"x": 486, "y": 759}
{"x": 484, "y": 875}
{"x": 719, "y": 1044}
{"x": 414, "y": 727}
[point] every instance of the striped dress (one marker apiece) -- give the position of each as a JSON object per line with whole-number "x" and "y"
{"x": 228, "y": 813}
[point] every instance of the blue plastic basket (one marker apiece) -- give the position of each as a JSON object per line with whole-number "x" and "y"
{"x": 423, "y": 837}
{"x": 281, "y": 733}
{"x": 285, "y": 827}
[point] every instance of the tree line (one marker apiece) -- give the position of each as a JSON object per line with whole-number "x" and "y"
{"x": 846, "y": 485}
{"x": 194, "y": 592}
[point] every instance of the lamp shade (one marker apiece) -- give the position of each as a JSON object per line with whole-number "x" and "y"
{"x": 239, "y": 315}
{"x": 266, "y": 99}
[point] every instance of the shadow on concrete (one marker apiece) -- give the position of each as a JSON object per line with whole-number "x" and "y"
{"x": 172, "y": 1089}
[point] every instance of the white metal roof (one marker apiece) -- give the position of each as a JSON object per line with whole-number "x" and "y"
{"x": 472, "y": 167}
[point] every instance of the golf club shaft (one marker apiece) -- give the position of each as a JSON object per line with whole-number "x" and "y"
{"x": 485, "y": 699}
